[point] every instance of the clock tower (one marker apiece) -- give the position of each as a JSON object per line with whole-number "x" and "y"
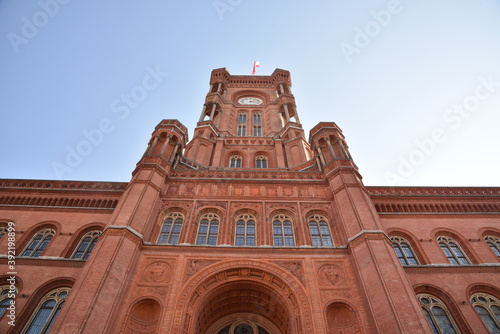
{"x": 249, "y": 122}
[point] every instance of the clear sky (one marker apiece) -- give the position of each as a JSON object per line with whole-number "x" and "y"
{"x": 414, "y": 85}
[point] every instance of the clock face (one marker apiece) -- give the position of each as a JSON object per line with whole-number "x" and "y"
{"x": 250, "y": 100}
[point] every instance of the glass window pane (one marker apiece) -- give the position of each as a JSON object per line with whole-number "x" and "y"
{"x": 327, "y": 241}
{"x": 278, "y": 241}
{"x": 250, "y": 241}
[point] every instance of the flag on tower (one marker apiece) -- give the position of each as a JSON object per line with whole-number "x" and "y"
{"x": 255, "y": 65}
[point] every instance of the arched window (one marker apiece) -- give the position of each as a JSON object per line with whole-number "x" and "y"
{"x": 437, "y": 315}
{"x": 171, "y": 229}
{"x": 488, "y": 309}
{"x": 242, "y": 118}
{"x": 46, "y": 313}
{"x": 6, "y": 295}
{"x": 494, "y": 243}
{"x": 245, "y": 230}
{"x": 86, "y": 245}
{"x": 257, "y": 131}
{"x": 208, "y": 229}
{"x": 452, "y": 250}
{"x": 236, "y": 161}
{"x": 257, "y": 119}
{"x": 403, "y": 251}
{"x": 261, "y": 161}
{"x": 283, "y": 231}
{"x": 320, "y": 232}
{"x": 242, "y": 130}
{"x": 38, "y": 243}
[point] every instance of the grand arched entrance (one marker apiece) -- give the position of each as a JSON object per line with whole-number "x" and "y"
{"x": 244, "y": 298}
{"x": 244, "y": 307}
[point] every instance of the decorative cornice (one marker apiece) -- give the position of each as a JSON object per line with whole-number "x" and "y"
{"x": 58, "y": 202}
{"x": 433, "y": 191}
{"x": 62, "y": 185}
{"x": 247, "y": 175}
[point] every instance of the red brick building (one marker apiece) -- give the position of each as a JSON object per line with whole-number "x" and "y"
{"x": 248, "y": 228}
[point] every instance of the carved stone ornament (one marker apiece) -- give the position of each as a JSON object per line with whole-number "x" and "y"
{"x": 157, "y": 272}
{"x": 330, "y": 274}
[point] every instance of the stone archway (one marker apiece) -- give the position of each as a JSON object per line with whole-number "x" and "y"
{"x": 257, "y": 294}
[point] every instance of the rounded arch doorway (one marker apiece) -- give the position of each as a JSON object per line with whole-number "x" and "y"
{"x": 243, "y": 307}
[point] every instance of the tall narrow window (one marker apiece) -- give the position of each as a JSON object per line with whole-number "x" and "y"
{"x": 242, "y": 118}
{"x": 86, "y": 245}
{"x": 245, "y": 230}
{"x": 437, "y": 315}
{"x": 236, "y": 161}
{"x": 257, "y": 131}
{"x": 242, "y": 127}
{"x": 43, "y": 318}
{"x": 283, "y": 231}
{"x": 261, "y": 161}
{"x": 171, "y": 229}
{"x": 494, "y": 243}
{"x": 488, "y": 309}
{"x": 257, "y": 119}
{"x": 403, "y": 251}
{"x": 38, "y": 243}
{"x": 242, "y": 131}
{"x": 6, "y": 295}
{"x": 320, "y": 232}
{"x": 208, "y": 229}
{"x": 452, "y": 250}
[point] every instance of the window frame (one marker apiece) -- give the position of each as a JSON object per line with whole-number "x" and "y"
{"x": 175, "y": 217}
{"x": 320, "y": 221}
{"x": 494, "y": 243}
{"x": 487, "y": 305}
{"x": 35, "y": 245}
{"x": 452, "y": 246}
{"x": 212, "y": 221}
{"x": 94, "y": 236}
{"x": 435, "y": 303}
{"x": 53, "y": 295}
{"x": 279, "y": 221}
{"x": 397, "y": 241}
{"x": 236, "y": 161}
{"x": 261, "y": 162}
{"x": 245, "y": 220}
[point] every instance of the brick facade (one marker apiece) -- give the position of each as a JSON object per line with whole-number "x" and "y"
{"x": 250, "y": 227}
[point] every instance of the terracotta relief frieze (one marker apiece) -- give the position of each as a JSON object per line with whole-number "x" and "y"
{"x": 330, "y": 274}
{"x": 156, "y": 273}
{"x": 286, "y": 206}
{"x": 250, "y": 175}
{"x": 182, "y": 204}
{"x": 327, "y": 207}
{"x": 220, "y": 204}
{"x": 193, "y": 266}
{"x": 294, "y": 267}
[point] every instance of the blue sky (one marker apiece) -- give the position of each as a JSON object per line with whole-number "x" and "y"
{"x": 414, "y": 85}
